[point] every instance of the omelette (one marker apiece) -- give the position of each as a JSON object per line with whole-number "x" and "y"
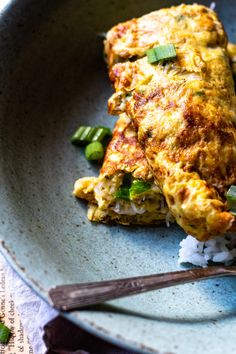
{"x": 183, "y": 110}
{"x": 125, "y": 157}
{"x": 124, "y": 165}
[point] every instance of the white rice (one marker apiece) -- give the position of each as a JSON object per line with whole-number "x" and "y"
{"x": 124, "y": 208}
{"x": 213, "y": 6}
{"x": 218, "y": 250}
{"x": 168, "y": 217}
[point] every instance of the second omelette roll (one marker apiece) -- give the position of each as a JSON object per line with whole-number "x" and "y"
{"x": 184, "y": 112}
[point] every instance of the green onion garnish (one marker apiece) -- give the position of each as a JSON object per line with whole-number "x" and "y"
{"x": 151, "y": 54}
{"x": 85, "y": 135}
{"x": 162, "y": 52}
{"x": 101, "y": 133}
{"x": 4, "y": 334}
{"x": 123, "y": 193}
{"x": 231, "y": 199}
{"x": 138, "y": 187}
{"x": 94, "y": 151}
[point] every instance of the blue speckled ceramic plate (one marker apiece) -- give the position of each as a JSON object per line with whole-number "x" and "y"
{"x": 52, "y": 79}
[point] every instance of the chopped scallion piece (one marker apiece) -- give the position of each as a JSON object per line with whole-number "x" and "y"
{"x": 101, "y": 133}
{"x": 94, "y": 151}
{"x": 4, "y": 333}
{"x": 76, "y": 138}
{"x": 162, "y": 52}
{"x": 151, "y": 54}
{"x": 231, "y": 199}
{"x": 231, "y": 194}
{"x": 88, "y": 135}
{"x": 138, "y": 187}
{"x": 123, "y": 193}
{"x": 85, "y": 135}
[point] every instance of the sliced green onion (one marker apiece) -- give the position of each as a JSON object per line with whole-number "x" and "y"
{"x": 88, "y": 134}
{"x": 138, "y": 187}
{"x": 94, "y": 151}
{"x": 151, "y": 54}
{"x": 231, "y": 199}
{"x": 123, "y": 193}
{"x": 85, "y": 135}
{"x": 4, "y": 333}
{"x": 76, "y": 137}
{"x": 162, "y": 52}
{"x": 101, "y": 133}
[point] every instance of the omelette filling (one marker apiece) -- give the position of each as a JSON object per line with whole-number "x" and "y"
{"x": 106, "y": 205}
{"x": 125, "y": 191}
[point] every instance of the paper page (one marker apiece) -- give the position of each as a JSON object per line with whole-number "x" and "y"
{"x": 19, "y": 342}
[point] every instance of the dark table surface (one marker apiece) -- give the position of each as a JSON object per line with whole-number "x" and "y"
{"x": 63, "y": 337}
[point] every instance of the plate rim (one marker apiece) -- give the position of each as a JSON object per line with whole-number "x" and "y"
{"x": 89, "y": 327}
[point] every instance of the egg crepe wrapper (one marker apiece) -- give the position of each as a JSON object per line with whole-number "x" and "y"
{"x": 184, "y": 111}
{"x": 124, "y": 156}
{"x": 123, "y": 151}
{"x": 85, "y": 187}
